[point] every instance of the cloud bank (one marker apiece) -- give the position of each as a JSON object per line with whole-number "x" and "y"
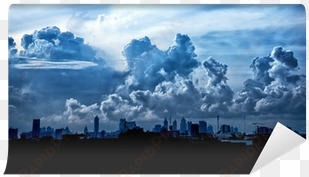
{"x": 79, "y": 84}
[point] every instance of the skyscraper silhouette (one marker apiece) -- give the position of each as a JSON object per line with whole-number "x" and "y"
{"x": 203, "y": 126}
{"x": 183, "y": 125}
{"x": 122, "y": 125}
{"x": 175, "y": 125}
{"x": 194, "y": 130}
{"x": 85, "y": 130}
{"x": 58, "y": 134}
{"x": 96, "y": 126}
{"x": 36, "y": 128}
{"x": 189, "y": 126}
{"x": 165, "y": 124}
{"x": 13, "y": 133}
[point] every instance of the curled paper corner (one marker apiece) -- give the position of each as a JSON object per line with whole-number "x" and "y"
{"x": 280, "y": 141}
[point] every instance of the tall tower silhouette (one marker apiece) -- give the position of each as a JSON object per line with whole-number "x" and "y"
{"x": 96, "y": 126}
{"x": 36, "y": 128}
{"x": 217, "y": 123}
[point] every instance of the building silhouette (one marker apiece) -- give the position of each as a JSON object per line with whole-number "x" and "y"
{"x": 13, "y": 133}
{"x": 42, "y": 132}
{"x": 102, "y": 134}
{"x": 183, "y": 125}
{"x": 165, "y": 125}
{"x": 122, "y": 125}
{"x": 175, "y": 125}
{"x": 50, "y": 131}
{"x": 264, "y": 130}
{"x": 210, "y": 129}
{"x": 234, "y": 129}
{"x": 66, "y": 131}
{"x": 225, "y": 128}
{"x": 96, "y": 126}
{"x": 203, "y": 127}
{"x": 131, "y": 125}
{"x": 189, "y": 126}
{"x": 36, "y": 128}
{"x": 85, "y": 130}
{"x": 194, "y": 130}
{"x": 157, "y": 128}
{"x": 58, "y": 134}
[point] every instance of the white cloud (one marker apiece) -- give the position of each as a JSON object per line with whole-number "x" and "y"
{"x": 55, "y": 65}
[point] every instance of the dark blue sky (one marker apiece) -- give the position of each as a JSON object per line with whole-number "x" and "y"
{"x": 73, "y": 62}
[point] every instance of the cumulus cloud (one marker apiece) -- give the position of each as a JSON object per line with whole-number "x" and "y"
{"x": 76, "y": 112}
{"x": 285, "y": 57}
{"x": 178, "y": 98}
{"x": 219, "y": 95}
{"x": 158, "y": 80}
{"x": 154, "y": 81}
{"x": 161, "y": 81}
{"x": 150, "y": 66}
{"x": 52, "y": 44}
{"x": 275, "y": 86}
{"x": 76, "y": 115}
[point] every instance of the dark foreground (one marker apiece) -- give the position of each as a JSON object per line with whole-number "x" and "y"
{"x": 156, "y": 155}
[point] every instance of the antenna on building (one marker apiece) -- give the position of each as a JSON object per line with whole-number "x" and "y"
{"x": 218, "y": 123}
{"x": 171, "y": 125}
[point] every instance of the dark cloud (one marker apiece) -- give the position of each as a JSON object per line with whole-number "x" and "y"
{"x": 285, "y": 57}
{"x": 22, "y": 106}
{"x": 26, "y": 40}
{"x": 50, "y": 34}
{"x": 180, "y": 58}
{"x": 12, "y": 49}
{"x": 260, "y": 67}
{"x": 216, "y": 71}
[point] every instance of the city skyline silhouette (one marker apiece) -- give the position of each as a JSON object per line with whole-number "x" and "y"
{"x": 152, "y": 89}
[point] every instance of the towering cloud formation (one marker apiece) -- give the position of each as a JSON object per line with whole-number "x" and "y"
{"x": 219, "y": 95}
{"x": 151, "y": 66}
{"x": 275, "y": 87}
{"x": 159, "y": 80}
{"x": 50, "y": 43}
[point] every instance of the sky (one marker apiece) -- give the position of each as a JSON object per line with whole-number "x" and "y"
{"x": 68, "y": 63}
